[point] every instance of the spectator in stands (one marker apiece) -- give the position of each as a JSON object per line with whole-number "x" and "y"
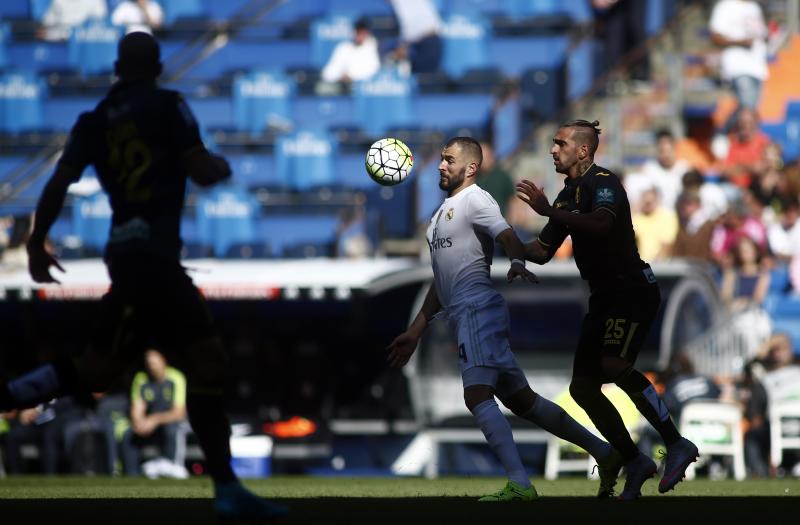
{"x": 106, "y": 420}
{"x": 496, "y": 180}
{"x": 354, "y": 60}
{"x": 158, "y": 409}
{"x": 784, "y": 233}
{"x": 655, "y": 227}
{"x": 738, "y": 28}
{"x": 620, "y": 24}
{"x": 713, "y": 201}
{"x": 63, "y": 15}
{"x": 665, "y": 173}
{"x": 736, "y": 222}
{"x": 40, "y": 426}
{"x": 14, "y": 256}
{"x": 745, "y": 277}
{"x": 138, "y": 15}
{"x": 694, "y": 228}
{"x": 421, "y": 44}
{"x": 769, "y": 186}
{"x": 746, "y": 150}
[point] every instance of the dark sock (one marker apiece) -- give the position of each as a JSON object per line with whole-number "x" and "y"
{"x": 644, "y": 396}
{"x": 213, "y": 430}
{"x": 605, "y": 418}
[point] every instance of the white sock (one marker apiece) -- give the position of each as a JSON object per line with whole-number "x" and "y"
{"x": 555, "y": 420}
{"x": 498, "y": 433}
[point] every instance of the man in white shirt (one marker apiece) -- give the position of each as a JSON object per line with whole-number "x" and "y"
{"x": 461, "y": 238}
{"x": 355, "y": 59}
{"x": 63, "y": 15}
{"x": 420, "y": 24}
{"x": 738, "y": 27}
{"x": 138, "y": 15}
{"x": 665, "y": 173}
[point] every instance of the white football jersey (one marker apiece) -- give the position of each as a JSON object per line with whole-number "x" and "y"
{"x": 461, "y": 240}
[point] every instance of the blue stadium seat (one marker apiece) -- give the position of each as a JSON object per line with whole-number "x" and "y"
{"x": 465, "y": 40}
{"x": 304, "y": 159}
{"x": 174, "y": 9}
{"x": 21, "y": 96}
{"x": 791, "y": 145}
{"x": 779, "y": 279}
{"x": 287, "y": 13}
{"x": 579, "y": 11}
{"x": 351, "y": 173}
{"x": 39, "y": 56}
{"x": 248, "y": 250}
{"x": 287, "y": 231}
{"x": 472, "y": 7}
{"x": 357, "y": 8}
{"x": 326, "y": 33}
{"x": 213, "y": 112}
{"x": 324, "y": 112}
{"x": 393, "y": 206}
{"x": 429, "y": 196}
{"x": 542, "y": 92}
{"x": 16, "y": 8}
{"x": 262, "y": 99}
{"x": 255, "y": 170}
{"x": 246, "y": 55}
{"x": 580, "y": 69}
{"x": 61, "y": 113}
{"x": 225, "y": 216}
{"x": 5, "y": 42}
{"x": 513, "y": 55}
{"x": 506, "y": 127}
{"x": 384, "y": 101}
{"x": 224, "y": 10}
{"x": 446, "y": 111}
{"x": 91, "y": 219}
{"x": 92, "y": 47}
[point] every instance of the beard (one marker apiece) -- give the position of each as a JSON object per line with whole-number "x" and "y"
{"x": 451, "y": 183}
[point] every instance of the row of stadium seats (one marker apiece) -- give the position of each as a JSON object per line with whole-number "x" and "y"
{"x": 787, "y": 133}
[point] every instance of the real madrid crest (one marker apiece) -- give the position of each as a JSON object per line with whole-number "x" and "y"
{"x": 449, "y": 215}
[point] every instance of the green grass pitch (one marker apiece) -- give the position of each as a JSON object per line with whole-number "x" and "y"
{"x": 378, "y": 501}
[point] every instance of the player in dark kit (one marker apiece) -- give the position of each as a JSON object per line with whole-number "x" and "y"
{"x": 593, "y": 208}
{"x": 143, "y": 142}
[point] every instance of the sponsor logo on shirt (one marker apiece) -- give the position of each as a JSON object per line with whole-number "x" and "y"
{"x": 439, "y": 242}
{"x": 604, "y": 196}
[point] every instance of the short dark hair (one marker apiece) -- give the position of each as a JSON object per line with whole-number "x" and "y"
{"x": 585, "y": 132}
{"x": 362, "y": 24}
{"x": 664, "y": 133}
{"x": 469, "y": 146}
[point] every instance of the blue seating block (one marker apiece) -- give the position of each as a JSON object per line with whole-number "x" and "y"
{"x": 174, "y": 9}
{"x": 384, "y": 101}
{"x": 21, "y": 96}
{"x": 284, "y": 231}
{"x": 326, "y": 34}
{"x": 225, "y": 216}
{"x": 304, "y": 159}
{"x": 92, "y": 47}
{"x": 262, "y": 99}
{"x": 465, "y": 40}
{"x": 91, "y": 219}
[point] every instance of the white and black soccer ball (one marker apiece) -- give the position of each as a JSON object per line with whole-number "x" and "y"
{"x": 389, "y": 161}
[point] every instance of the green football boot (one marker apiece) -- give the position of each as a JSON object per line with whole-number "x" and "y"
{"x": 512, "y": 492}
{"x": 608, "y": 468}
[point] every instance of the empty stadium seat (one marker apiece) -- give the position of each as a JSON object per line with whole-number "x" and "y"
{"x": 465, "y": 40}
{"x": 226, "y": 215}
{"x": 262, "y": 99}
{"x": 5, "y": 37}
{"x": 92, "y": 47}
{"x": 287, "y": 231}
{"x": 21, "y": 96}
{"x": 91, "y": 220}
{"x": 357, "y": 8}
{"x": 514, "y": 55}
{"x": 175, "y": 9}
{"x": 304, "y": 159}
{"x": 254, "y": 170}
{"x": 384, "y": 101}
{"x": 17, "y": 8}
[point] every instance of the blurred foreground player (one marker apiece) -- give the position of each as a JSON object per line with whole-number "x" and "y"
{"x": 143, "y": 142}
{"x": 593, "y": 208}
{"x": 461, "y": 238}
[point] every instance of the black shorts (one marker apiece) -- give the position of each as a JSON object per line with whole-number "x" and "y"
{"x": 151, "y": 303}
{"x": 616, "y": 325}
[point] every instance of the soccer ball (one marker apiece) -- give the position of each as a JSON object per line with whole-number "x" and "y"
{"x": 389, "y": 161}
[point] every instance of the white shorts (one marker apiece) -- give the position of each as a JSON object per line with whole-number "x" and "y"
{"x": 481, "y": 328}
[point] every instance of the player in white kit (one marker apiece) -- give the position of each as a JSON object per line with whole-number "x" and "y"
{"x": 461, "y": 239}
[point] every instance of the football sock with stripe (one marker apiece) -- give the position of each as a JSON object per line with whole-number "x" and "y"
{"x": 556, "y": 421}
{"x": 497, "y": 431}
{"x": 644, "y": 396}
